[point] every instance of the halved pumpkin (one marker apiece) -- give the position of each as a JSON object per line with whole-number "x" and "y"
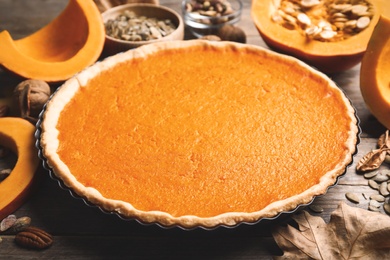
{"x": 329, "y": 57}
{"x": 375, "y": 71}
{"x": 71, "y": 42}
{"x": 17, "y": 134}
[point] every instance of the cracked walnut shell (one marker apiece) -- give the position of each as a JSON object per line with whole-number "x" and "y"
{"x": 31, "y": 95}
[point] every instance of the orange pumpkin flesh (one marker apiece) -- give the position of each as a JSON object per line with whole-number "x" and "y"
{"x": 18, "y": 135}
{"x": 375, "y": 71}
{"x": 328, "y": 57}
{"x": 71, "y": 42}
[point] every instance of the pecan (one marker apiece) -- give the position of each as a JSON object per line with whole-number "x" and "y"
{"x": 34, "y": 238}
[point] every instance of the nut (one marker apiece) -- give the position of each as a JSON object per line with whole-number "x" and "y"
{"x": 232, "y": 33}
{"x": 31, "y": 96}
{"x": 34, "y": 238}
{"x": 21, "y": 224}
{"x": 7, "y": 223}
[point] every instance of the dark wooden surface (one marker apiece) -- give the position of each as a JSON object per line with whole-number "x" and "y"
{"x": 82, "y": 232}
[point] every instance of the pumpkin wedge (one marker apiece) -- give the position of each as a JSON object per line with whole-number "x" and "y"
{"x": 327, "y": 56}
{"x": 375, "y": 71}
{"x": 17, "y": 134}
{"x": 68, "y": 44}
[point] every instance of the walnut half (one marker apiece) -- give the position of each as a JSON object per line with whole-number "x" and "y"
{"x": 31, "y": 95}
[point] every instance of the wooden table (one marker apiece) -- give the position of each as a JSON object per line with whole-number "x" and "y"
{"x": 82, "y": 232}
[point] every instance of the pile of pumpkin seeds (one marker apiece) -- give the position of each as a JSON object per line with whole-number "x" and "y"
{"x": 324, "y": 20}
{"x": 379, "y": 181}
{"x": 130, "y": 27}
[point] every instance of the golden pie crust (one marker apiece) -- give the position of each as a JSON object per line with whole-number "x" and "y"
{"x": 197, "y": 133}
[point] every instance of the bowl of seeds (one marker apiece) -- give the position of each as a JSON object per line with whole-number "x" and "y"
{"x": 131, "y": 25}
{"x": 206, "y": 17}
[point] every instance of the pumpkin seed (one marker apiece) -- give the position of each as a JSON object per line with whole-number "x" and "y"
{"x": 386, "y": 208}
{"x": 363, "y": 22}
{"x": 277, "y": 18}
{"x": 373, "y": 184}
{"x": 359, "y": 9}
{"x": 341, "y": 7}
{"x": 369, "y": 175}
{"x": 312, "y": 31}
{"x": 304, "y": 19}
{"x": 374, "y": 203}
{"x": 351, "y": 24}
{"x": 290, "y": 10}
{"x": 328, "y": 34}
{"x": 309, "y": 3}
{"x": 353, "y": 197}
{"x": 372, "y": 208}
{"x": 377, "y": 197}
{"x": 339, "y": 15}
{"x": 381, "y": 178}
{"x": 340, "y": 20}
{"x": 316, "y": 208}
{"x": 383, "y": 189}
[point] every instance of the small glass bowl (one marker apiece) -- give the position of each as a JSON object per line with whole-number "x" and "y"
{"x": 206, "y": 17}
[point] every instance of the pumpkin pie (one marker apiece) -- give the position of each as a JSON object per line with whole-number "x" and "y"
{"x": 199, "y": 134}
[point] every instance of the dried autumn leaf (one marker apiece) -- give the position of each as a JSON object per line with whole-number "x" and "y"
{"x": 372, "y": 160}
{"x": 103, "y": 5}
{"x": 352, "y": 233}
{"x": 384, "y": 140}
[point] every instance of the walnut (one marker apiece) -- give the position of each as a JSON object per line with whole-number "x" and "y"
{"x": 31, "y": 95}
{"x": 232, "y": 33}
